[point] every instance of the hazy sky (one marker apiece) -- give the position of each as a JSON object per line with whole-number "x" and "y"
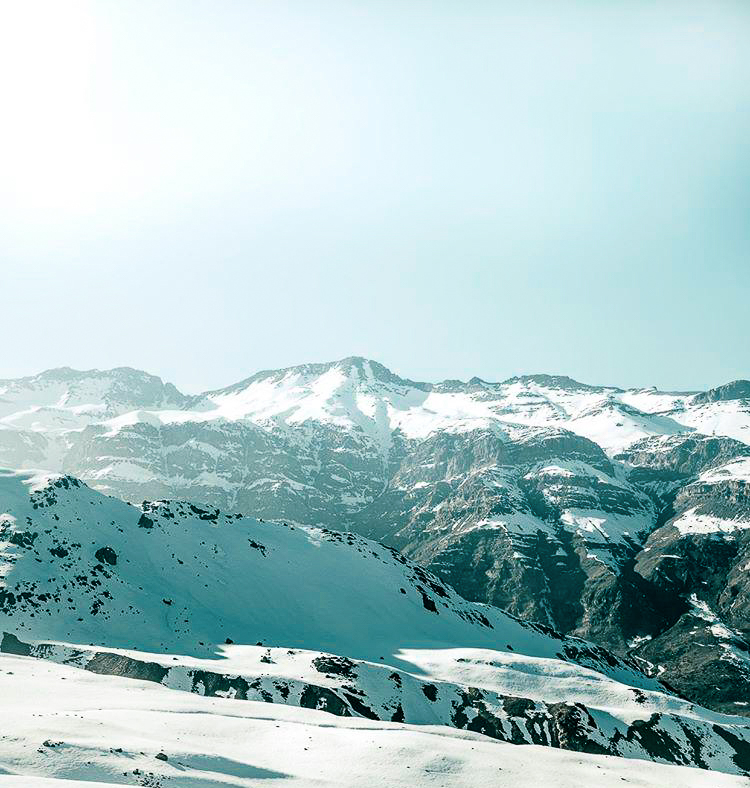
{"x": 207, "y": 188}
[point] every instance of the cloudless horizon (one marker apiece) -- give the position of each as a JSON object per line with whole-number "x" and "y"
{"x": 207, "y": 189}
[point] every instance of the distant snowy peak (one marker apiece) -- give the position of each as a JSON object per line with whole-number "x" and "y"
{"x": 354, "y": 395}
{"x": 558, "y": 382}
{"x": 354, "y": 368}
{"x": 107, "y": 391}
{"x": 362, "y": 394}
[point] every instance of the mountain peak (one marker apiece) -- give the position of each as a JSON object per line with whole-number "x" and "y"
{"x": 370, "y": 369}
{"x": 359, "y": 366}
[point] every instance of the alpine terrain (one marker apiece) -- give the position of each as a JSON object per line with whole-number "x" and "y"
{"x": 236, "y": 587}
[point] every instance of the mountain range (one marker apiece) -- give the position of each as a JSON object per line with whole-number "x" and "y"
{"x": 611, "y": 526}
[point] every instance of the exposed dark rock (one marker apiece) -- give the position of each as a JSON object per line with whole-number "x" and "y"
{"x": 336, "y": 666}
{"x": 324, "y": 699}
{"x": 10, "y": 644}
{"x": 106, "y": 555}
{"x": 110, "y": 664}
{"x": 738, "y": 389}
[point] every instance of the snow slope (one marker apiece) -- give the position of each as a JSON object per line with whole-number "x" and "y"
{"x": 65, "y": 728}
{"x": 81, "y": 567}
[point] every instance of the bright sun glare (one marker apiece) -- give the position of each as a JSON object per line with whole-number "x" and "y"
{"x": 60, "y": 159}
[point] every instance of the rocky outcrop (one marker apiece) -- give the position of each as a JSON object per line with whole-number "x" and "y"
{"x": 737, "y": 389}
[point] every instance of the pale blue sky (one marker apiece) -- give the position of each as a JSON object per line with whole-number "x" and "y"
{"x": 205, "y": 189}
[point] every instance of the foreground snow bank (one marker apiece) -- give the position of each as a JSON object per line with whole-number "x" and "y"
{"x": 66, "y": 728}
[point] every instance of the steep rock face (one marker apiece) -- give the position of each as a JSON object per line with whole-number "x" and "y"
{"x": 317, "y": 477}
{"x": 683, "y": 455}
{"x": 537, "y": 525}
{"x": 697, "y": 560}
{"x": 553, "y": 499}
{"x": 737, "y": 389}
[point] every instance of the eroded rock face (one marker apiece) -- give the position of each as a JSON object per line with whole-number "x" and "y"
{"x": 693, "y": 563}
{"x": 736, "y": 390}
{"x": 702, "y": 640}
{"x": 504, "y": 527}
{"x": 541, "y": 527}
{"x": 110, "y": 664}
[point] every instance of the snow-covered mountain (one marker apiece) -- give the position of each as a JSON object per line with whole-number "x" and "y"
{"x": 210, "y": 614}
{"x": 616, "y": 515}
